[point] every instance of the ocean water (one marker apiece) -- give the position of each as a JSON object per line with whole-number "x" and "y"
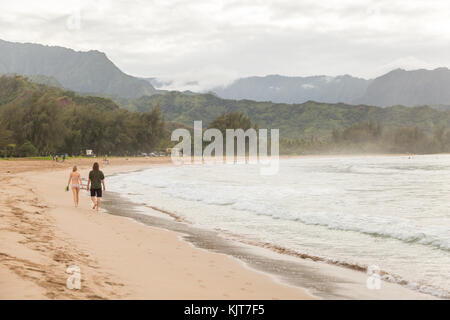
{"x": 391, "y": 212}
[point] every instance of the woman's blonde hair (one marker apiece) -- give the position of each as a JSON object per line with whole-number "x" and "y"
{"x": 74, "y": 169}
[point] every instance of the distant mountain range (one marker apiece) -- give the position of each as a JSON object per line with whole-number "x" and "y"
{"x": 86, "y": 72}
{"x": 93, "y": 73}
{"x": 409, "y": 88}
{"x": 282, "y": 89}
{"x": 398, "y": 87}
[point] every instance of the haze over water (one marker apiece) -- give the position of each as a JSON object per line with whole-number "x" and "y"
{"x": 392, "y": 212}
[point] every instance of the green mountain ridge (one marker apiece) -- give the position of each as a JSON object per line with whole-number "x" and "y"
{"x": 85, "y": 72}
{"x": 306, "y": 120}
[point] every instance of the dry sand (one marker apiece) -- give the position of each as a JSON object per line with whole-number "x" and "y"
{"x": 42, "y": 234}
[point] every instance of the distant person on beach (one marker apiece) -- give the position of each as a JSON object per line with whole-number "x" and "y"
{"x": 96, "y": 180}
{"x": 75, "y": 178}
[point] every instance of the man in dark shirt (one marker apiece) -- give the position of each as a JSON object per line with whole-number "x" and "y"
{"x": 96, "y": 180}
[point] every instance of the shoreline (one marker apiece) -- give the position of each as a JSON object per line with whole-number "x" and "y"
{"x": 311, "y": 279}
{"x": 319, "y": 276}
{"x": 42, "y": 234}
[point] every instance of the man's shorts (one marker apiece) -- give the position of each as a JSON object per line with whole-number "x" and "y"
{"x": 96, "y": 193}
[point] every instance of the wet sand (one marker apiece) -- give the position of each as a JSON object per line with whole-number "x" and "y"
{"x": 321, "y": 279}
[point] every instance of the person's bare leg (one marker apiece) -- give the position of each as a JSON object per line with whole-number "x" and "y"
{"x": 99, "y": 200}
{"x": 94, "y": 202}
{"x": 78, "y": 197}
{"x": 74, "y": 191}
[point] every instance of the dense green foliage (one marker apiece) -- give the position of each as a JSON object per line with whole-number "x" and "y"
{"x": 232, "y": 120}
{"x": 27, "y": 150}
{"x": 36, "y": 119}
{"x": 309, "y": 120}
{"x": 316, "y": 127}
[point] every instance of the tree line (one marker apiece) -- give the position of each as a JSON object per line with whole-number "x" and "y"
{"x": 40, "y": 120}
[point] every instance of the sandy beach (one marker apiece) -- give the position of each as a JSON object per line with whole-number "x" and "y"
{"x": 133, "y": 256}
{"x": 42, "y": 234}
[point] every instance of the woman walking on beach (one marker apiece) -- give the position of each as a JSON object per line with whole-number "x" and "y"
{"x": 96, "y": 180}
{"x": 75, "y": 178}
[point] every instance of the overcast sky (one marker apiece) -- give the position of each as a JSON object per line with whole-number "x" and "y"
{"x": 217, "y": 41}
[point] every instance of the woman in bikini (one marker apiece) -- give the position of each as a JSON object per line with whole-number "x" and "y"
{"x": 75, "y": 177}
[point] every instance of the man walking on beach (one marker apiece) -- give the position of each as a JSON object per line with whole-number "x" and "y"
{"x": 96, "y": 180}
